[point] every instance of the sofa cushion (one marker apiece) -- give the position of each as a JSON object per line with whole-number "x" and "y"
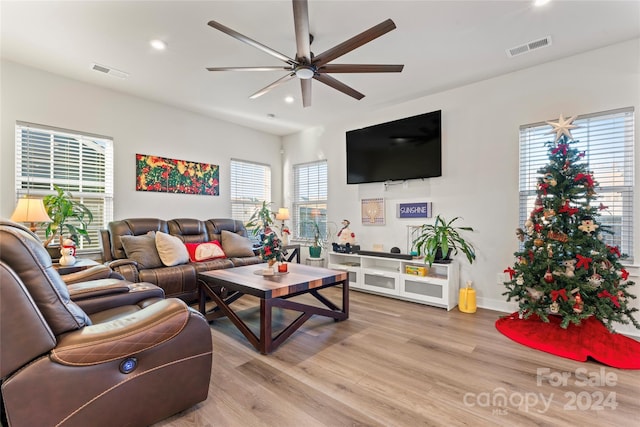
{"x": 235, "y": 245}
{"x": 205, "y": 251}
{"x": 171, "y": 249}
{"x": 142, "y": 249}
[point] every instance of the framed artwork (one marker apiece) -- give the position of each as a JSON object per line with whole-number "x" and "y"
{"x": 159, "y": 174}
{"x": 373, "y": 211}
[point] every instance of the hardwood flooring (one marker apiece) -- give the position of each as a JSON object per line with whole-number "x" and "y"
{"x": 397, "y": 363}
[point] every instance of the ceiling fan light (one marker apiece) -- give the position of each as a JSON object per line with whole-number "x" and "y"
{"x": 304, "y": 73}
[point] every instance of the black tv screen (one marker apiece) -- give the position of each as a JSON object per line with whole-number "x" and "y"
{"x": 403, "y": 149}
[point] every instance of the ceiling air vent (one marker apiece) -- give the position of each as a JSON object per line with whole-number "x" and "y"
{"x": 110, "y": 71}
{"x": 528, "y": 47}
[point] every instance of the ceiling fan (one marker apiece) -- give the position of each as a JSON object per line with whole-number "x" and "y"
{"x": 306, "y": 65}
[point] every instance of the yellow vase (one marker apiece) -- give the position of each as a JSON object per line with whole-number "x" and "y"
{"x": 467, "y": 300}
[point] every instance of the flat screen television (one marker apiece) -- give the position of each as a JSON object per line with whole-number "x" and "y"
{"x": 408, "y": 148}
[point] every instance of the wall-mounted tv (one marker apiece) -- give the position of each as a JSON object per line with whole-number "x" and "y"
{"x": 403, "y": 149}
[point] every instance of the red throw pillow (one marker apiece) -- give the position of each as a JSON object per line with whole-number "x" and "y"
{"x": 205, "y": 251}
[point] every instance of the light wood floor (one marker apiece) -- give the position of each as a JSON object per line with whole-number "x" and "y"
{"x": 396, "y": 363}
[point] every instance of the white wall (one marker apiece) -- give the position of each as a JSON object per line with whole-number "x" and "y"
{"x": 480, "y": 154}
{"x": 137, "y": 126}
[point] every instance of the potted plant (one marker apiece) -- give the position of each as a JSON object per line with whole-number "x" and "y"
{"x": 261, "y": 220}
{"x": 315, "y": 249}
{"x": 436, "y": 241}
{"x": 62, "y": 209}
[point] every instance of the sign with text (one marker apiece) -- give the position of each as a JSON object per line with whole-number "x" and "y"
{"x": 414, "y": 210}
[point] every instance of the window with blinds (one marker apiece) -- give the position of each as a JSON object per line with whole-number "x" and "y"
{"x": 607, "y": 140}
{"x": 309, "y": 200}
{"x": 250, "y": 186}
{"x": 77, "y": 162}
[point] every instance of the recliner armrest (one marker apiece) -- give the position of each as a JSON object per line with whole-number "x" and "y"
{"x": 124, "y": 337}
{"x": 92, "y": 273}
{"x": 97, "y": 288}
{"x": 120, "y": 262}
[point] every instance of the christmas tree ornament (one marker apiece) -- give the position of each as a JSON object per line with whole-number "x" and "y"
{"x": 621, "y": 296}
{"x": 595, "y": 279}
{"x": 535, "y": 294}
{"x": 562, "y": 127}
{"x": 550, "y": 180}
{"x": 549, "y": 250}
{"x": 588, "y": 225}
{"x": 578, "y": 304}
{"x": 520, "y": 234}
{"x": 520, "y": 280}
{"x": 558, "y": 236}
{"x": 549, "y": 213}
{"x": 583, "y": 261}
{"x": 548, "y": 276}
{"x": 528, "y": 224}
{"x": 554, "y": 307}
{"x": 624, "y": 274}
{"x": 569, "y": 267}
{"x": 538, "y": 242}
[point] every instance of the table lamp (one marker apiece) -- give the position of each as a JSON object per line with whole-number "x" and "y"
{"x": 283, "y": 215}
{"x": 30, "y": 210}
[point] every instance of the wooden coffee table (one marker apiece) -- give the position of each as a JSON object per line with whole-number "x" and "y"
{"x": 273, "y": 291}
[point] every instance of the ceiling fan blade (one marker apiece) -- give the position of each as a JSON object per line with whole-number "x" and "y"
{"x": 272, "y": 85}
{"x": 305, "y": 85}
{"x": 265, "y": 68}
{"x": 301, "y": 24}
{"x": 354, "y": 42}
{"x": 251, "y": 42}
{"x": 338, "y": 85}
{"x": 360, "y": 68}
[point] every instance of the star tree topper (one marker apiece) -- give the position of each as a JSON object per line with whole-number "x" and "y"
{"x": 562, "y": 127}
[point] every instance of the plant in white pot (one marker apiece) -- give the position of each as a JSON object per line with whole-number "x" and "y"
{"x": 438, "y": 240}
{"x": 67, "y": 216}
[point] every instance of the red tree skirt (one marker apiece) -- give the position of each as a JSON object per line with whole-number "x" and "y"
{"x": 589, "y": 339}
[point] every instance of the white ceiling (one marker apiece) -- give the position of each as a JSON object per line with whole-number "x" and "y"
{"x": 443, "y": 44}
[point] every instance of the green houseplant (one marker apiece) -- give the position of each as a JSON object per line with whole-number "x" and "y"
{"x": 67, "y": 216}
{"x": 316, "y": 248}
{"x": 438, "y": 240}
{"x": 261, "y": 220}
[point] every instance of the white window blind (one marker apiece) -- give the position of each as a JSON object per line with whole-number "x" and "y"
{"x": 309, "y": 199}
{"x": 250, "y": 186}
{"x": 607, "y": 139}
{"x": 77, "y": 162}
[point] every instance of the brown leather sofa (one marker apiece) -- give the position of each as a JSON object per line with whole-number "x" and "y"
{"x": 106, "y": 352}
{"x": 177, "y": 281}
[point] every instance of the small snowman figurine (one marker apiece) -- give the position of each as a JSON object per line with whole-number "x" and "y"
{"x": 345, "y": 235}
{"x": 68, "y": 252}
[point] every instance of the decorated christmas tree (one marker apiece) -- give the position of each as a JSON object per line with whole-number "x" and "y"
{"x": 565, "y": 268}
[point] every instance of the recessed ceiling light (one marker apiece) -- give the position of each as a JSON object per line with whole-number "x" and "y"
{"x": 288, "y": 99}
{"x": 158, "y": 44}
{"x": 540, "y": 2}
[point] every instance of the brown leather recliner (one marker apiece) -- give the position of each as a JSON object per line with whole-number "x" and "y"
{"x": 108, "y": 353}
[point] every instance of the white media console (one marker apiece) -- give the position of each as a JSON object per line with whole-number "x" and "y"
{"x": 387, "y": 276}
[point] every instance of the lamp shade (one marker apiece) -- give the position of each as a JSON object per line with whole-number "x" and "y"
{"x": 30, "y": 210}
{"x": 283, "y": 214}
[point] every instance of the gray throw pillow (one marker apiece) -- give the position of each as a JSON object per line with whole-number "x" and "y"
{"x": 142, "y": 249}
{"x": 235, "y": 245}
{"x": 171, "y": 249}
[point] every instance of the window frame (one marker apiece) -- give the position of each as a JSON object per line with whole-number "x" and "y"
{"x": 76, "y": 161}
{"x": 316, "y": 203}
{"x": 244, "y": 206}
{"x": 596, "y": 134}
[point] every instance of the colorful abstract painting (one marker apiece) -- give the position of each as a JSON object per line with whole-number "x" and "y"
{"x": 159, "y": 174}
